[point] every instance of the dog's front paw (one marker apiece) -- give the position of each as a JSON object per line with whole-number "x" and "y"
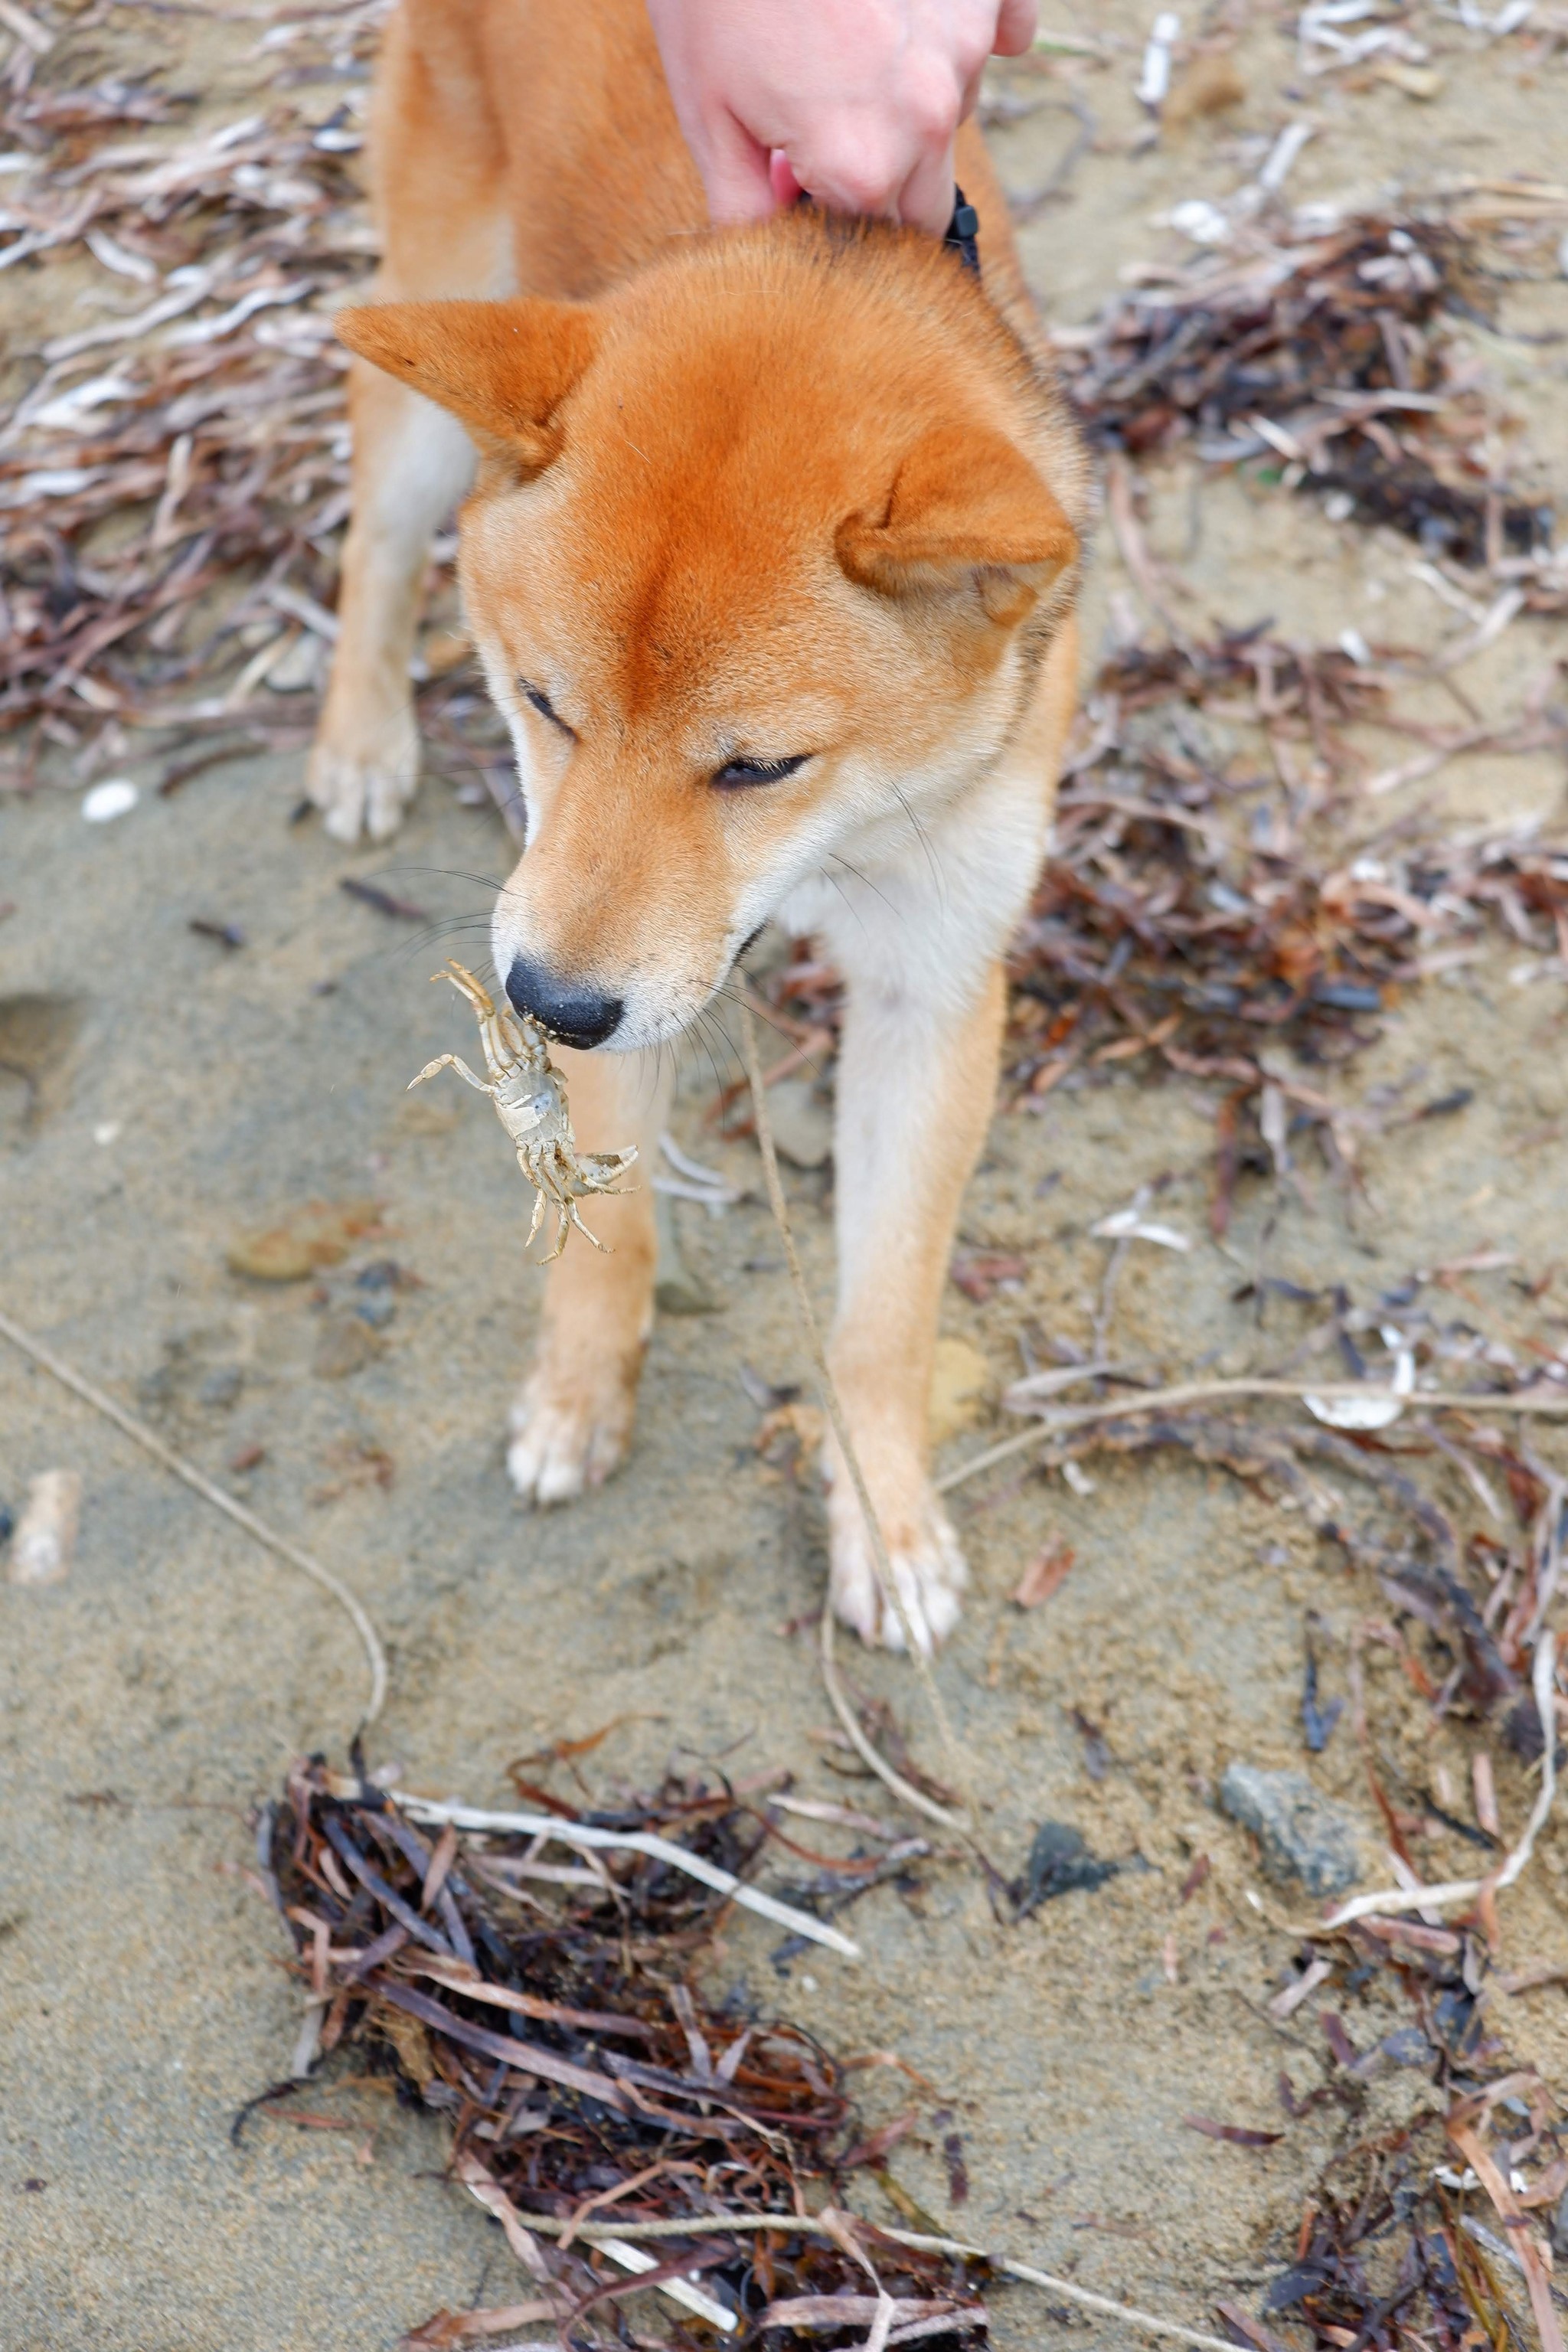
{"x": 366, "y": 793}
{"x": 566, "y": 1437}
{"x": 929, "y": 1570}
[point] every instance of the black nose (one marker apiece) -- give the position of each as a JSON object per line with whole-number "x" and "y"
{"x": 573, "y": 1015}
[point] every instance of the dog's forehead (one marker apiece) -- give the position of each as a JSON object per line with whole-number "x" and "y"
{"x": 732, "y": 421}
{"x": 760, "y": 405}
{"x": 717, "y": 447}
{"x": 694, "y": 515}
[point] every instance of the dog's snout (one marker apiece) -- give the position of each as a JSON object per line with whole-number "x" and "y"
{"x": 573, "y": 1015}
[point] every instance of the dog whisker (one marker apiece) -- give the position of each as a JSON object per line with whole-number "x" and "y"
{"x": 701, "y": 1027}
{"x": 459, "y": 874}
{"x": 761, "y": 1014}
{"x": 899, "y": 913}
{"x": 924, "y": 839}
{"x": 833, "y": 880}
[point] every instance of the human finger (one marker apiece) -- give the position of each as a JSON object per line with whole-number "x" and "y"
{"x": 926, "y": 199}
{"x": 857, "y": 163}
{"x": 735, "y": 168}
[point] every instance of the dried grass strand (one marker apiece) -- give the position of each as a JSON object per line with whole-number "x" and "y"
{"x": 834, "y": 1408}
{"x": 870, "y": 1755}
{"x": 199, "y": 1483}
{"x": 790, "y": 2225}
{"x": 1061, "y": 1423}
{"x": 583, "y": 1835}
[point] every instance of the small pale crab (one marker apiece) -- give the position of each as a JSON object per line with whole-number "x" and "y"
{"x": 530, "y": 1097}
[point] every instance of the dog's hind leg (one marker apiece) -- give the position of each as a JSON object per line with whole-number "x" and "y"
{"x": 440, "y": 211}
{"x": 572, "y": 1423}
{"x": 411, "y": 464}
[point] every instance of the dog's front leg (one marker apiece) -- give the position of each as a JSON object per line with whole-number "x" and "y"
{"x": 916, "y": 1081}
{"x": 572, "y": 1423}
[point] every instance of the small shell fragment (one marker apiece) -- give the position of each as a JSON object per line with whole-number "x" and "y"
{"x": 1155, "y": 80}
{"x": 1380, "y": 1409}
{"x": 117, "y": 797}
{"x": 1130, "y": 1225}
{"x": 46, "y": 1533}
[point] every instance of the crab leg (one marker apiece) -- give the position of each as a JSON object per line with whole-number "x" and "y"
{"x": 505, "y": 1047}
{"x": 537, "y": 1203}
{"x": 449, "y": 1062}
{"x": 463, "y": 980}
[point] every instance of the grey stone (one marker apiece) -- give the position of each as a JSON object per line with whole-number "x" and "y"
{"x": 1302, "y": 1834}
{"x": 343, "y": 1345}
{"x": 676, "y": 1290}
{"x": 300, "y": 668}
{"x": 803, "y": 1126}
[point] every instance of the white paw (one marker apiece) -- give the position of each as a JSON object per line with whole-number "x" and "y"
{"x": 563, "y": 1442}
{"x": 929, "y": 1571}
{"x": 357, "y": 794}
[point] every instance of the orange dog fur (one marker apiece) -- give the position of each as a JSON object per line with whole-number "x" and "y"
{"x": 771, "y": 558}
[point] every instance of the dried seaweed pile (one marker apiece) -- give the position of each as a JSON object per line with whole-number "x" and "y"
{"x": 1333, "y": 351}
{"x": 1425, "y": 2233}
{"x": 1164, "y": 926}
{"x": 1393, "y": 2253}
{"x": 174, "y": 475}
{"x": 549, "y": 2010}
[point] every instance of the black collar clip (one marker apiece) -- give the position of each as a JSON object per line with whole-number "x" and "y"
{"x": 963, "y": 231}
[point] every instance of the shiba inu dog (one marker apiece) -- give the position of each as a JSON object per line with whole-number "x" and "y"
{"x": 770, "y": 556}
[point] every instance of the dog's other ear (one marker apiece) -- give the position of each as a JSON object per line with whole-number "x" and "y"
{"x": 965, "y": 506}
{"x": 503, "y": 368}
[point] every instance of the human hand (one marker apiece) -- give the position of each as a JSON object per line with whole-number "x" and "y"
{"x": 857, "y": 101}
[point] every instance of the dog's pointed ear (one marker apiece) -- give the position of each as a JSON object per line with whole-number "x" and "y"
{"x": 502, "y": 368}
{"x": 967, "y": 507}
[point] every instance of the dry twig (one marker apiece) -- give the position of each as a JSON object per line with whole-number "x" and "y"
{"x": 1060, "y": 1422}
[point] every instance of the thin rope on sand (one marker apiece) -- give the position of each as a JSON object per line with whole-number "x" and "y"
{"x": 200, "y": 1483}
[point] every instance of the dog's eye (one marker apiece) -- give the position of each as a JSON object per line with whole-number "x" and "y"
{"x": 540, "y": 702}
{"x": 736, "y": 773}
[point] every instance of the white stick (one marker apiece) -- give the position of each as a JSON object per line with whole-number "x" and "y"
{"x": 1155, "y": 80}
{"x": 26, "y": 28}
{"x": 684, "y": 1165}
{"x": 633, "y": 2259}
{"x": 585, "y": 1835}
